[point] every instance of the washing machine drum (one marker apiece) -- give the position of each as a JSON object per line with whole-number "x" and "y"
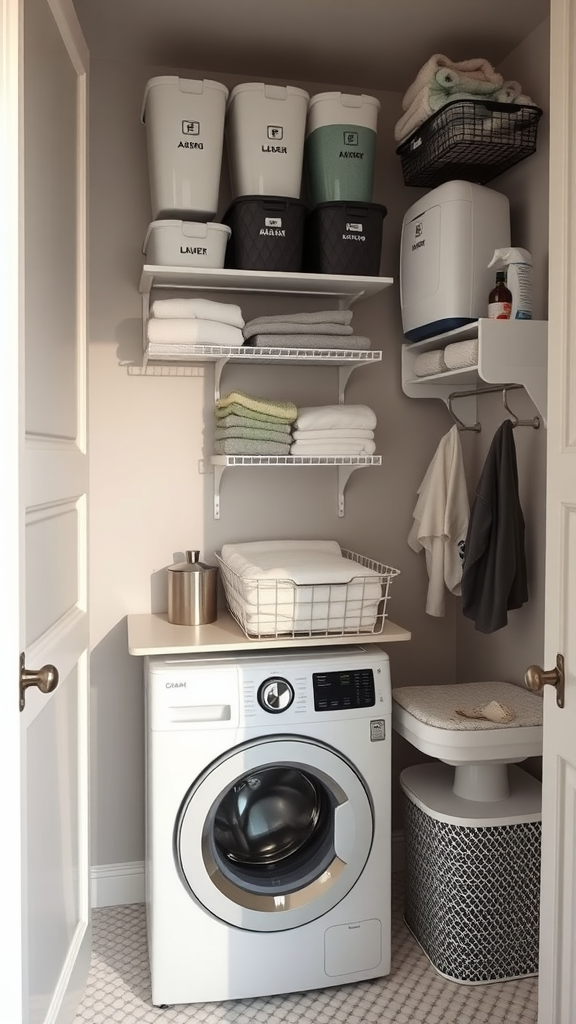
{"x": 274, "y": 834}
{"x": 268, "y": 816}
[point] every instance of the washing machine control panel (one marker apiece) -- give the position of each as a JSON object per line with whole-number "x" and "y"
{"x": 275, "y": 694}
{"x": 339, "y": 691}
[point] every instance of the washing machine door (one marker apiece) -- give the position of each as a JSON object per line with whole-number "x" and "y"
{"x": 274, "y": 834}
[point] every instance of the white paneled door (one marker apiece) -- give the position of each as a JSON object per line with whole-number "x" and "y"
{"x": 44, "y": 859}
{"x": 557, "y": 983}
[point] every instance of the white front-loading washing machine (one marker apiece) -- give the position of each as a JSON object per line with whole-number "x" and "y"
{"x": 268, "y": 821}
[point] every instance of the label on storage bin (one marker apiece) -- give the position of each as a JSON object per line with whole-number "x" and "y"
{"x": 275, "y": 133}
{"x": 354, "y": 227}
{"x": 273, "y": 226}
{"x": 190, "y": 128}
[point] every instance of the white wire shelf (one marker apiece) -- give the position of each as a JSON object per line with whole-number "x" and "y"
{"x": 346, "y": 465}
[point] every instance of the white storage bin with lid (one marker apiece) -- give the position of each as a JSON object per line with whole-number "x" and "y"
{"x": 186, "y": 243}
{"x": 184, "y": 121}
{"x": 340, "y": 148}
{"x": 265, "y": 129}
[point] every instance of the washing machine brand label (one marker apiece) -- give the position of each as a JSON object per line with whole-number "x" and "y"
{"x": 194, "y": 250}
{"x": 174, "y": 686}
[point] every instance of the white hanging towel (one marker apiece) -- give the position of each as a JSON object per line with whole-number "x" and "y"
{"x": 441, "y": 521}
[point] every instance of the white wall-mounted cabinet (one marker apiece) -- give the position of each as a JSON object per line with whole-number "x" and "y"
{"x": 509, "y": 352}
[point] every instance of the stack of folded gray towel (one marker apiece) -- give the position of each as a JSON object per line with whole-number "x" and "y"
{"x": 326, "y": 329}
{"x": 334, "y": 430}
{"x": 247, "y": 425}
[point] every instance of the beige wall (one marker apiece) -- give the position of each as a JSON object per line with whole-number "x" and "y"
{"x": 149, "y": 434}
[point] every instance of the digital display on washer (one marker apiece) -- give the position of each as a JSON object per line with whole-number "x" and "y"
{"x": 338, "y": 691}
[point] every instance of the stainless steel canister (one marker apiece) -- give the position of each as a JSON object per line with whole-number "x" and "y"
{"x": 192, "y": 592}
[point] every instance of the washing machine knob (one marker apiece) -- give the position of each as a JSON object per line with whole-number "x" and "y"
{"x": 275, "y": 694}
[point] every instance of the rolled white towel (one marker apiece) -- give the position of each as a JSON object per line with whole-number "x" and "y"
{"x": 193, "y": 332}
{"x": 198, "y": 309}
{"x": 461, "y": 353}
{"x": 428, "y": 363}
{"x": 324, "y": 417}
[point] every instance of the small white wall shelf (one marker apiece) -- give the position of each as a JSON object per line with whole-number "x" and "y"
{"x": 346, "y": 288}
{"x": 346, "y": 465}
{"x": 509, "y": 352}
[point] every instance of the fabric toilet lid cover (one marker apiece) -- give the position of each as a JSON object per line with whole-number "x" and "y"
{"x": 436, "y": 705}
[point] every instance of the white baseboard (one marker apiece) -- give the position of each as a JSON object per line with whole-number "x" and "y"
{"x": 113, "y": 885}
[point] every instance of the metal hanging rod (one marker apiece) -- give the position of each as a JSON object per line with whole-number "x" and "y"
{"x": 490, "y": 389}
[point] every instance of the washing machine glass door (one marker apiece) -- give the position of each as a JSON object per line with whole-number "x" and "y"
{"x": 274, "y": 834}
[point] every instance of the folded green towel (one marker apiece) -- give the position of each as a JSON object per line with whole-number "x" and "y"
{"x": 286, "y": 411}
{"x": 252, "y": 433}
{"x": 242, "y": 446}
{"x": 226, "y": 422}
{"x": 222, "y": 415}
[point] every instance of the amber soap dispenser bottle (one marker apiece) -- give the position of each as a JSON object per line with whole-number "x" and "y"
{"x": 500, "y": 299}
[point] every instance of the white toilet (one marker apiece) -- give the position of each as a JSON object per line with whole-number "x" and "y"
{"x": 472, "y": 826}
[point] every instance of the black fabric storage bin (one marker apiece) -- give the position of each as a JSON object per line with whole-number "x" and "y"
{"x": 267, "y": 233}
{"x": 344, "y": 238}
{"x": 469, "y": 140}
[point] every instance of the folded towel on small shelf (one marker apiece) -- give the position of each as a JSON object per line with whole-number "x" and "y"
{"x": 202, "y": 309}
{"x": 349, "y": 433}
{"x": 245, "y": 446}
{"x": 263, "y": 433}
{"x": 260, "y": 422}
{"x": 308, "y": 341}
{"x": 336, "y": 447}
{"x": 329, "y": 316}
{"x": 234, "y": 409}
{"x": 323, "y": 417}
{"x": 428, "y": 363}
{"x": 285, "y": 411}
{"x": 189, "y": 331}
{"x": 287, "y": 327}
{"x": 461, "y": 353}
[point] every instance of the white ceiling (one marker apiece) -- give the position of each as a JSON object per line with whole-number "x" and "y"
{"x": 377, "y": 44}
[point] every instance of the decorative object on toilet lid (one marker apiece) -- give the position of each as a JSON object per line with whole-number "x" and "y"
{"x": 495, "y": 711}
{"x": 441, "y": 706}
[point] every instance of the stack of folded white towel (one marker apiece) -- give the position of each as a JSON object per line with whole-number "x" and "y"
{"x": 455, "y": 356}
{"x": 325, "y": 329}
{"x": 334, "y": 430}
{"x": 442, "y": 81}
{"x": 176, "y": 326}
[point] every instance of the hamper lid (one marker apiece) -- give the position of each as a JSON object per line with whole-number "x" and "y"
{"x": 270, "y": 92}
{"x": 351, "y": 205}
{"x": 188, "y": 228}
{"x": 193, "y": 85}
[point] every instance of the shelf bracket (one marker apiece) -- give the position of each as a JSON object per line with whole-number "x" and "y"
{"x": 344, "y": 374}
{"x": 218, "y": 471}
{"x": 344, "y": 474}
{"x": 218, "y": 367}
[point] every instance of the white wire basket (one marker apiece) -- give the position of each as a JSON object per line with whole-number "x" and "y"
{"x": 274, "y": 608}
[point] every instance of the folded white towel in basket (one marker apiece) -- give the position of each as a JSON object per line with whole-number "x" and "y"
{"x": 201, "y": 309}
{"x": 324, "y": 417}
{"x": 281, "y": 586}
{"x": 187, "y": 331}
{"x": 461, "y": 353}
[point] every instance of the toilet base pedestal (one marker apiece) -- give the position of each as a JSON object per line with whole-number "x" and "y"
{"x": 473, "y": 875}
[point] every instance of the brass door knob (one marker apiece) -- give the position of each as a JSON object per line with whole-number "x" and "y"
{"x": 536, "y": 679}
{"x": 46, "y": 679}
